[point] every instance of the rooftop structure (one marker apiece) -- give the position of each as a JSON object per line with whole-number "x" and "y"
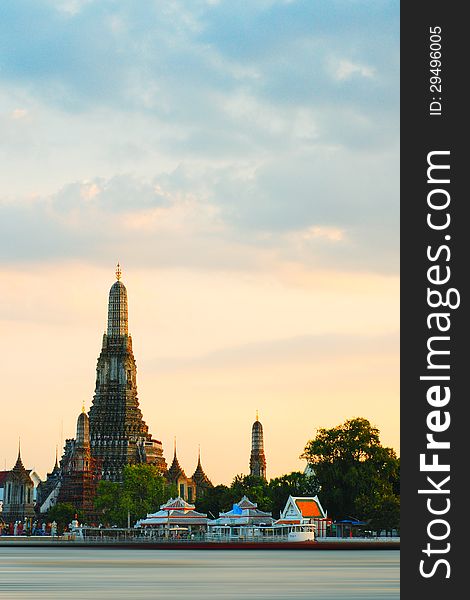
{"x": 200, "y": 478}
{"x": 175, "y": 517}
{"x": 18, "y": 501}
{"x": 304, "y": 511}
{"x": 244, "y": 512}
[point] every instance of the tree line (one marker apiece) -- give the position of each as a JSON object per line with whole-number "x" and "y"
{"x": 354, "y": 476}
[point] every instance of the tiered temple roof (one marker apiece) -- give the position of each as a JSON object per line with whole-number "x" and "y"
{"x": 199, "y": 477}
{"x": 244, "y": 512}
{"x": 18, "y": 502}
{"x": 175, "y": 471}
{"x": 301, "y": 510}
{"x": 175, "y": 512}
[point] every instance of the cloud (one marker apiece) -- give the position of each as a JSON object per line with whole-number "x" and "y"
{"x": 345, "y": 69}
{"x": 265, "y": 128}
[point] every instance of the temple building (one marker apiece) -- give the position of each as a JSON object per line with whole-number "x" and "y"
{"x": 200, "y": 479}
{"x": 48, "y": 490}
{"x": 118, "y": 433}
{"x": 114, "y": 433}
{"x": 245, "y": 520}
{"x": 257, "y": 459}
{"x": 174, "y": 519}
{"x": 76, "y": 478}
{"x": 188, "y": 488}
{"x": 300, "y": 512}
{"x": 185, "y": 486}
{"x": 80, "y": 471}
{"x": 18, "y": 501}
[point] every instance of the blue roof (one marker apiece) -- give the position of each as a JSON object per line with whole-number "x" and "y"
{"x": 352, "y": 522}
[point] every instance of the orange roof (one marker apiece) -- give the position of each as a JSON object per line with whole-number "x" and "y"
{"x": 309, "y": 508}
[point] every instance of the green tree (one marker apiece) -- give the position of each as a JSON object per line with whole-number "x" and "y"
{"x": 63, "y": 513}
{"x": 256, "y": 488}
{"x": 142, "y": 490}
{"x": 270, "y": 497}
{"x": 382, "y": 512}
{"x": 108, "y": 503}
{"x": 215, "y": 500}
{"x": 293, "y": 484}
{"x": 350, "y": 464}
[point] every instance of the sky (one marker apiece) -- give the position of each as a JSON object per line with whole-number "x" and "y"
{"x": 240, "y": 160}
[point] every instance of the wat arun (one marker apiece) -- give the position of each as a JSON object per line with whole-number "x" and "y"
{"x": 113, "y": 434}
{"x": 118, "y": 434}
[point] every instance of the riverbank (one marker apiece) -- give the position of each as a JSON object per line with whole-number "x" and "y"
{"x": 330, "y": 544}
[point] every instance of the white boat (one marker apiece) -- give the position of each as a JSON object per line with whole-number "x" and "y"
{"x": 297, "y": 532}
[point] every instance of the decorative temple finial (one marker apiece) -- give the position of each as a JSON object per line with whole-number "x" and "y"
{"x": 19, "y": 447}
{"x": 257, "y": 415}
{"x": 118, "y": 272}
{"x": 83, "y": 406}
{"x": 175, "y": 445}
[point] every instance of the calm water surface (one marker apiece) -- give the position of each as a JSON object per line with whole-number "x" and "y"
{"x": 53, "y": 573}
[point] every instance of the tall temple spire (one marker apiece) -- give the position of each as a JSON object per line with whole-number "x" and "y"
{"x": 118, "y": 434}
{"x": 257, "y": 458}
{"x": 117, "y": 307}
{"x": 83, "y": 431}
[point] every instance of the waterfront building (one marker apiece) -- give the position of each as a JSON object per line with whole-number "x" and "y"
{"x": 301, "y": 512}
{"x": 118, "y": 434}
{"x": 257, "y": 458}
{"x": 176, "y": 518}
{"x": 18, "y": 500}
{"x": 244, "y": 521}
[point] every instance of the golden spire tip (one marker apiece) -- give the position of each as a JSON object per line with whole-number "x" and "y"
{"x": 118, "y": 271}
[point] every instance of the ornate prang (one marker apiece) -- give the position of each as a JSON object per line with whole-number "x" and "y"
{"x": 257, "y": 459}
{"x": 80, "y": 472}
{"x": 118, "y": 434}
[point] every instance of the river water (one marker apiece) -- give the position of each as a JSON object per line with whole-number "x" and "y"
{"x": 102, "y": 573}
